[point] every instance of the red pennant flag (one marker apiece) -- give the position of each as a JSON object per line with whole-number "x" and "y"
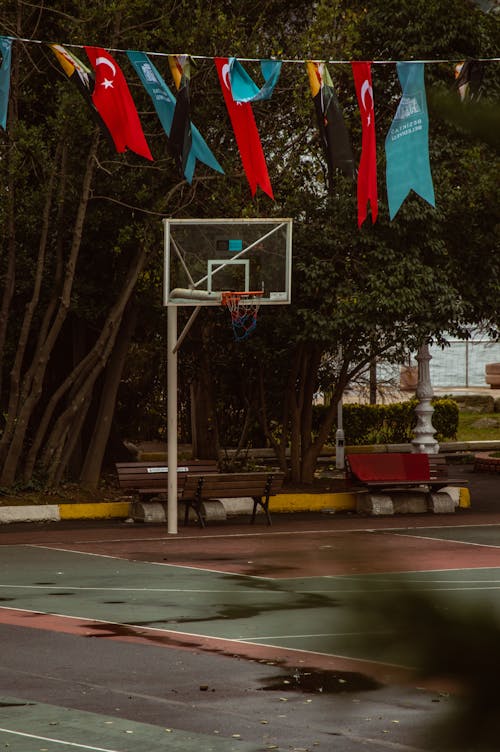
{"x": 367, "y": 172}
{"x": 246, "y": 133}
{"x": 113, "y": 101}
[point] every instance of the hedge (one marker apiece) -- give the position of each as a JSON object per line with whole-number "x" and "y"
{"x": 390, "y": 424}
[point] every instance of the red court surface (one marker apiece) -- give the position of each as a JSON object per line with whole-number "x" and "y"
{"x": 298, "y": 545}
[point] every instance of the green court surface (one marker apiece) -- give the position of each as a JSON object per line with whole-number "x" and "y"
{"x": 318, "y": 614}
{"x": 38, "y": 727}
{"x": 320, "y": 619}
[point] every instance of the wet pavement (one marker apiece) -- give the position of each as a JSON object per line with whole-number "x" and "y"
{"x": 120, "y": 637}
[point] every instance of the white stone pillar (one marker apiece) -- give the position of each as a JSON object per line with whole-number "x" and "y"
{"x": 424, "y": 440}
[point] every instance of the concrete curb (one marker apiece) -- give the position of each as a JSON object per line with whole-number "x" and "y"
{"x": 326, "y": 502}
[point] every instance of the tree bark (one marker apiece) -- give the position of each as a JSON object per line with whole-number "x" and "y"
{"x": 18, "y": 420}
{"x": 54, "y": 457}
{"x": 94, "y": 456}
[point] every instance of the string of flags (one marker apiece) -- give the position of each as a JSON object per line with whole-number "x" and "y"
{"x": 105, "y": 89}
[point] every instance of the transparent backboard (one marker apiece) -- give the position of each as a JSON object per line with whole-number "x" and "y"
{"x": 205, "y": 257}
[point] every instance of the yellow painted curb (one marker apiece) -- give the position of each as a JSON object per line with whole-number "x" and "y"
{"x": 464, "y": 499}
{"x": 100, "y": 510}
{"x": 304, "y": 502}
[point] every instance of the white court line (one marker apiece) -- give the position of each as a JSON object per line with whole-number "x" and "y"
{"x": 210, "y": 638}
{"x": 448, "y": 540}
{"x": 146, "y": 589}
{"x": 153, "y": 563}
{"x": 58, "y": 741}
{"x": 431, "y": 588}
{"x": 322, "y": 531}
{"x": 200, "y": 636}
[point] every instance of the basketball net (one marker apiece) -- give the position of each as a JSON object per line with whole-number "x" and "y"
{"x": 243, "y": 307}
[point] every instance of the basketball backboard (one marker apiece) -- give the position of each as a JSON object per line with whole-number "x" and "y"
{"x": 205, "y": 257}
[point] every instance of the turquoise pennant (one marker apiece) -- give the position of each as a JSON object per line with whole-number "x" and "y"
{"x": 244, "y": 89}
{"x": 6, "y": 51}
{"x": 164, "y": 102}
{"x": 407, "y": 142}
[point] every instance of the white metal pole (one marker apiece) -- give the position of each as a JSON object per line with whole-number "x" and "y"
{"x": 424, "y": 441}
{"x": 339, "y": 436}
{"x": 172, "y": 417}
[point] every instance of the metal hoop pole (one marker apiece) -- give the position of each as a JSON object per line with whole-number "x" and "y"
{"x": 172, "y": 418}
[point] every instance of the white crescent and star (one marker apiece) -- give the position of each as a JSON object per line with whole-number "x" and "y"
{"x": 366, "y": 88}
{"x": 225, "y": 76}
{"x": 106, "y": 82}
{"x": 226, "y": 69}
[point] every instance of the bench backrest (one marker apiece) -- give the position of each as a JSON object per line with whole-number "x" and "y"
{"x": 390, "y": 467}
{"x": 227, "y": 485}
{"x": 438, "y": 466}
{"x": 154, "y": 475}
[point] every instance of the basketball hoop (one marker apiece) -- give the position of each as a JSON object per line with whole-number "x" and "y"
{"x": 243, "y": 307}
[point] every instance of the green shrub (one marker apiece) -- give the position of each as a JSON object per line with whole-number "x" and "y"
{"x": 390, "y": 424}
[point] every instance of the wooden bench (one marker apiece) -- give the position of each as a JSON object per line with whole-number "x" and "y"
{"x": 399, "y": 471}
{"x": 146, "y": 479}
{"x": 199, "y": 487}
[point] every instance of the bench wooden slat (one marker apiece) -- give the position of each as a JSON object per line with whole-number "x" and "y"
{"x": 199, "y": 480}
{"x": 146, "y": 478}
{"x": 260, "y": 486}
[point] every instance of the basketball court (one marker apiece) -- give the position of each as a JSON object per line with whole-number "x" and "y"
{"x": 119, "y": 637}
{"x": 122, "y": 637}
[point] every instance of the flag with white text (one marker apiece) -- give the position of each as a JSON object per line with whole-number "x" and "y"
{"x": 407, "y": 142}
{"x": 165, "y": 103}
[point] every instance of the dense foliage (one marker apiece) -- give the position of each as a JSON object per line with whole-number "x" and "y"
{"x": 82, "y": 342}
{"x": 391, "y": 423}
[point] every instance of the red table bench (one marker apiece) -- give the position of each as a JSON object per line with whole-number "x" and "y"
{"x": 398, "y": 471}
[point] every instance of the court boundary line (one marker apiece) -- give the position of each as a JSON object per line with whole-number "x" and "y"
{"x": 210, "y": 638}
{"x": 265, "y": 533}
{"x": 446, "y": 540}
{"x": 256, "y": 576}
{"x": 58, "y": 741}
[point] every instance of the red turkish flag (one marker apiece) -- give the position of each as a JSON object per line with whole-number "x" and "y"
{"x": 113, "y": 101}
{"x": 367, "y": 172}
{"x": 246, "y": 133}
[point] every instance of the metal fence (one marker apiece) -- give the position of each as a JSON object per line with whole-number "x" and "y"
{"x": 461, "y": 364}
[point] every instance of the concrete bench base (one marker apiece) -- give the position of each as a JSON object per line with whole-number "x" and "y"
{"x": 405, "y": 502}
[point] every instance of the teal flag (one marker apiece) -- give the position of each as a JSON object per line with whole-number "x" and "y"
{"x": 244, "y": 89}
{"x": 407, "y": 142}
{"x": 6, "y": 53}
{"x": 164, "y": 102}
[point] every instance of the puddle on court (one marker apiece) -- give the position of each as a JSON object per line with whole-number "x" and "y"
{"x": 321, "y": 682}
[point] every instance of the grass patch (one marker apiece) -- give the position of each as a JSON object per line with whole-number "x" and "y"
{"x": 474, "y": 426}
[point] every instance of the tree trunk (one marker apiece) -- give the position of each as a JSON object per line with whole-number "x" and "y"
{"x": 92, "y": 465}
{"x": 205, "y": 434}
{"x": 373, "y": 381}
{"x": 18, "y": 420}
{"x": 54, "y": 459}
{"x": 10, "y": 229}
{"x": 278, "y": 446}
{"x": 10, "y": 270}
